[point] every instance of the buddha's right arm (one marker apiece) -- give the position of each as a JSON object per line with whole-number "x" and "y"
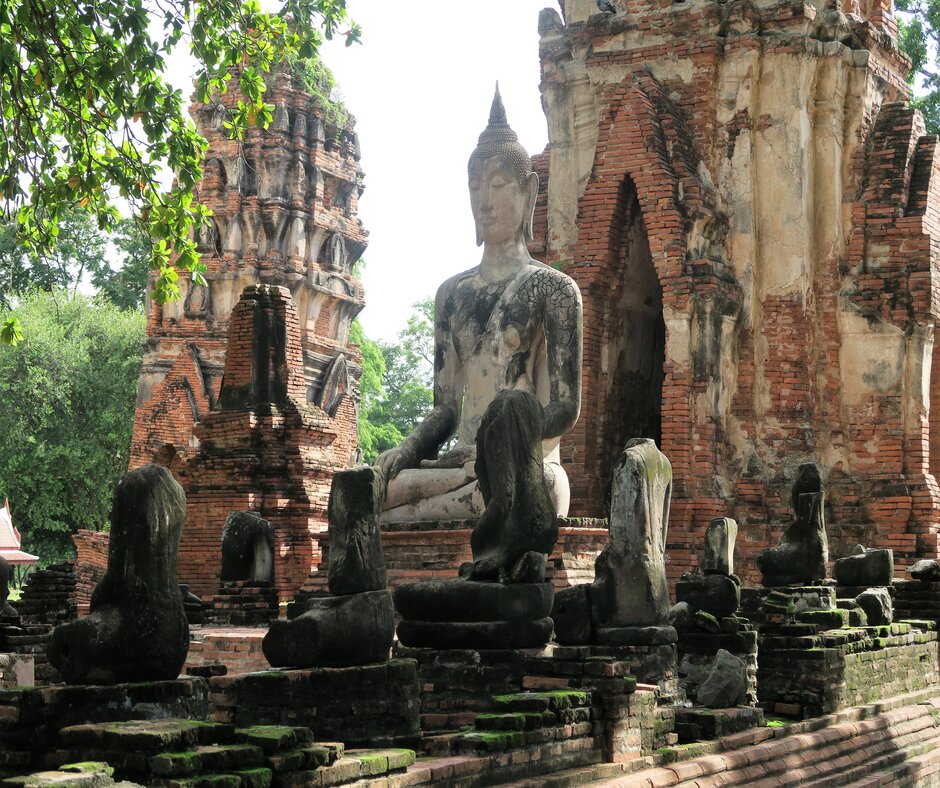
{"x": 425, "y": 440}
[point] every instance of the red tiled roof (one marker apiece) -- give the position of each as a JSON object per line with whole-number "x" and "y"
{"x": 10, "y": 540}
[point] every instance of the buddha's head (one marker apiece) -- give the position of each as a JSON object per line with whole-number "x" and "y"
{"x": 503, "y": 187}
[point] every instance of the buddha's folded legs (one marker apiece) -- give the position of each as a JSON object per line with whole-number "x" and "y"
{"x": 422, "y": 494}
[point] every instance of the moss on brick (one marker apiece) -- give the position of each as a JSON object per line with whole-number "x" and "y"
{"x": 255, "y": 778}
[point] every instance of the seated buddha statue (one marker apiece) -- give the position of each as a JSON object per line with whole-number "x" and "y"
{"x": 509, "y": 323}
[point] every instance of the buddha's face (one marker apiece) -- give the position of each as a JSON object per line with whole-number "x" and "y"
{"x": 498, "y": 204}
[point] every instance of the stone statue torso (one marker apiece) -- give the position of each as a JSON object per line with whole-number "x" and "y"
{"x": 496, "y": 330}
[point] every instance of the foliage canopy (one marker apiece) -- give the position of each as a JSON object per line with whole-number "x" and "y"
{"x": 68, "y": 394}
{"x": 86, "y": 113}
{"x": 81, "y": 256}
{"x": 919, "y": 38}
{"x": 396, "y": 383}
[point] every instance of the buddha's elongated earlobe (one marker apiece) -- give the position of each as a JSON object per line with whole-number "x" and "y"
{"x": 532, "y": 195}
{"x": 479, "y": 236}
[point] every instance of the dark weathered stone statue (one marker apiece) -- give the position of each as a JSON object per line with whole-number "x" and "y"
{"x": 803, "y": 551}
{"x": 628, "y": 602}
{"x": 519, "y": 517}
{"x": 6, "y": 575}
{"x": 356, "y": 625}
{"x": 137, "y": 629}
{"x": 720, "y": 536}
{"x": 713, "y": 590}
{"x": 500, "y": 599}
{"x": 247, "y": 548}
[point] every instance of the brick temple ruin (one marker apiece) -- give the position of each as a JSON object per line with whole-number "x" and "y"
{"x": 284, "y": 205}
{"x": 752, "y": 182}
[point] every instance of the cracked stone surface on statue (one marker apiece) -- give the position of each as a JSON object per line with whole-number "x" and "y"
{"x": 510, "y": 322}
{"x": 136, "y": 629}
{"x": 356, "y": 625}
{"x": 507, "y": 386}
{"x": 803, "y": 551}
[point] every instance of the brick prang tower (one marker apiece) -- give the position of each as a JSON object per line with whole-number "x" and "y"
{"x": 750, "y": 207}
{"x": 284, "y": 204}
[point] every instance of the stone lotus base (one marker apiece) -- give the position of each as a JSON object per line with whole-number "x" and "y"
{"x": 475, "y": 634}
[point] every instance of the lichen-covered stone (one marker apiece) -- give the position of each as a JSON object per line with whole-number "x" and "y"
{"x": 356, "y": 560}
{"x": 571, "y": 613}
{"x": 137, "y": 628}
{"x": 927, "y": 570}
{"x": 716, "y": 594}
{"x": 876, "y": 602}
{"x": 864, "y": 567}
{"x": 335, "y": 631}
{"x": 720, "y": 536}
{"x": 726, "y": 684}
{"x": 630, "y": 587}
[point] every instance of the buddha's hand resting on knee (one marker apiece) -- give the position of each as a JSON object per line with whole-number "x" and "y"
{"x": 393, "y": 461}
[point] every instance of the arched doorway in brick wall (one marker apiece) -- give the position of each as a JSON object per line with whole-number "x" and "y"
{"x": 634, "y": 338}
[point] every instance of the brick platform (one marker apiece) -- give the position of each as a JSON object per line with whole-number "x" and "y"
{"x": 366, "y": 706}
{"x": 425, "y": 551}
{"x": 812, "y": 674}
{"x": 238, "y": 648}
{"x": 31, "y": 719}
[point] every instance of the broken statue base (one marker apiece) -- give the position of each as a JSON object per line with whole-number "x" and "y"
{"x": 466, "y": 614}
{"x": 335, "y": 631}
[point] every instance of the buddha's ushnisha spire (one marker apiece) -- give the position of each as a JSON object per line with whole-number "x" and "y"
{"x": 497, "y": 129}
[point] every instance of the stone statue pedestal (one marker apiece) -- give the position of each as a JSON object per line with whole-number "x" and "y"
{"x": 462, "y": 614}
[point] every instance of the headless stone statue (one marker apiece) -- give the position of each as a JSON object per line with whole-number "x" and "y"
{"x": 803, "y": 551}
{"x": 630, "y": 586}
{"x": 136, "y": 630}
{"x": 628, "y": 602}
{"x": 356, "y": 625}
{"x": 511, "y": 323}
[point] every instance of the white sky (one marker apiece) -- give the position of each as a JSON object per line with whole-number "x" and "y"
{"x": 420, "y": 87}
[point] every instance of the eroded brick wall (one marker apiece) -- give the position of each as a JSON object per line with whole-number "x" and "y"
{"x": 787, "y": 197}
{"x": 284, "y": 212}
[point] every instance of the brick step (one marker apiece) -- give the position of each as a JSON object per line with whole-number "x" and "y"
{"x": 258, "y": 777}
{"x": 836, "y": 746}
{"x": 884, "y": 765}
{"x": 922, "y": 769}
{"x": 355, "y": 765}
